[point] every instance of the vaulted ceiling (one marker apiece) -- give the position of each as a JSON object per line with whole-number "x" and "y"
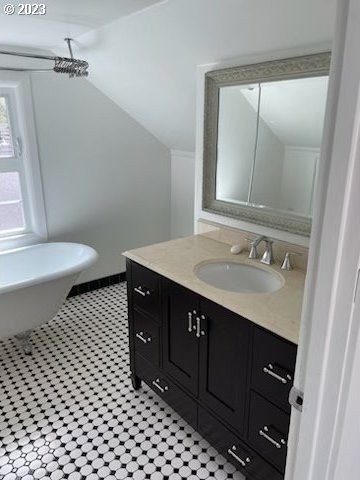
{"x": 143, "y": 54}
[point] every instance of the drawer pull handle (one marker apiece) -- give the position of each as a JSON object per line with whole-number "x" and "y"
{"x": 159, "y": 387}
{"x": 242, "y": 462}
{"x": 141, "y": 292}
{"x": 265, "y": 433}
{"x": 270, "y": 371}
{"x": 143, "y": 339}
{"x": 190, "y": 321}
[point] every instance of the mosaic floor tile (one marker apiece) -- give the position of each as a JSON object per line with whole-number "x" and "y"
{"x": 68, "y": 411}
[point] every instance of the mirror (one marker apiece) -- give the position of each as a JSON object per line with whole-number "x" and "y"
{"x": 263, "y": 130}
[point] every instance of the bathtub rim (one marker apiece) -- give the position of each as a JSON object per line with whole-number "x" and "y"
{"x": 79, "y": 267}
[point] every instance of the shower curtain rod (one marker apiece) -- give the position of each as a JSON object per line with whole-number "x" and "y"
{"x": 70, "y": 65}
{"x": 28, "y": 55}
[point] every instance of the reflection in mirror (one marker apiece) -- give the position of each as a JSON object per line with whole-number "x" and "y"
{"x": 268, "y": 144}
{"x": 237, "y": 130}
{"x": 291, "y": 117}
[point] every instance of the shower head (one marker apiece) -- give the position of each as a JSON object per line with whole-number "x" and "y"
{"x": 71, "y": 66}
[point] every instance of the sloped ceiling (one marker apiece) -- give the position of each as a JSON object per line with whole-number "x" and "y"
{"x": 146, "y": 62}
{"x": 63, "y": 18}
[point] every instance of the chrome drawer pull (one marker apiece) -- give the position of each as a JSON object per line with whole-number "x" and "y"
{"x": 144, "y": 340}
{"x": 141, "y": 292}
{"x": 198, "y": 327}
{"x": 269, "y": 371}
{"x": 242, "y": 462}
{"x": 264, "y": 433}
{"x": 190, "y": 322}
{"x": 159, "y": 387}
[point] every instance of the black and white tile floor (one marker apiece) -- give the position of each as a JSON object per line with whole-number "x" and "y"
{"x": 69, "y": 411}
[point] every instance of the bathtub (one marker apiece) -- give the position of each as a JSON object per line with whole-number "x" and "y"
{"x": 34, "y": 282}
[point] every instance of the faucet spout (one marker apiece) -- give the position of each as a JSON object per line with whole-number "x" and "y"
{"x": 253, "y": 246}
{"x": 268, "y": 257}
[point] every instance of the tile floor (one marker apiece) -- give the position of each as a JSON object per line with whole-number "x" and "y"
{"x": 69, "y": 411}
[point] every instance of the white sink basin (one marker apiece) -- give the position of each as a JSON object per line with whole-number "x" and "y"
{"x": 238, "y": 277}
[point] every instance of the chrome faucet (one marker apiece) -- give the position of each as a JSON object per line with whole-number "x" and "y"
{"x": 268, "y": 257}
{"x": 253, "y": 244}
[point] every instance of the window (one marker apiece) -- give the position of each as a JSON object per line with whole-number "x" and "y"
{"x": 22, "y": 217}
{"x": 12, "y": 217}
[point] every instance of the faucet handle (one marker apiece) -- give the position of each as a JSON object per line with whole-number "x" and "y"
{"x": 286, "y": 265}
{"x": 253, "y": 250}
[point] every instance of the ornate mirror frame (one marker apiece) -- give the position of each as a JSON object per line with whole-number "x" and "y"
{"x": 290, "y": 68}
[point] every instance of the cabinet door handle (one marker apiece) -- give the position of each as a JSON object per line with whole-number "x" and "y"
{"x": 141, "y": 292}
{"x": 242, "y": 462}
{"x": 143, "y": 339}
{"x": 270, "y": 371}
{"x": 265, "y": 433}
{"x": 159, "y": 387}
{"x": 202, "y": 326}
{"x": 198, "y": 327}
{"x": 190, "y": 321}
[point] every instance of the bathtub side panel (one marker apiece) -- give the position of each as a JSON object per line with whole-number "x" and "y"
{"x": 29, "y": 307}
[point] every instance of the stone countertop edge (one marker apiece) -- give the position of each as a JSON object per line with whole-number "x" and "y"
{"x": 278, "y": 312}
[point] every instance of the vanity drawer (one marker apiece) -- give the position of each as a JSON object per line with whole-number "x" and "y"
{"x": 273, "y": 367}
{"x": 145, "y": 289}
{"x": 147, "y": 335}
{"x": 268, "y": 430}
{"x": 166, "y": 389}
{"x": 242, "y": 457}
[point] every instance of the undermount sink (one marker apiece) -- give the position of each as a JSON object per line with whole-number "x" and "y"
{"x": 238, "y": 277}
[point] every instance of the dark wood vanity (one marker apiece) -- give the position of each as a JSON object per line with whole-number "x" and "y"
{"x": 229, "y": 378}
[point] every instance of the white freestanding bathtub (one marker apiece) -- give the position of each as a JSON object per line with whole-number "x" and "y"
{"x": 34, "y": 282}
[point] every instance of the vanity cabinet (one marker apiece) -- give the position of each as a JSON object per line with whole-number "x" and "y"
{"x": 181, "y": 346}
{"x": 206, "y": 351}
{"x": 226, "y": 376}
{"x": 223, "y": 363}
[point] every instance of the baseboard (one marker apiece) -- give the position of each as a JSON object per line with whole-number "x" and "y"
{"x": 96, "y": 284}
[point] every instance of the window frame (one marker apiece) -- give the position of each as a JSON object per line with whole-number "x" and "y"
{"x": 16, "y": 87}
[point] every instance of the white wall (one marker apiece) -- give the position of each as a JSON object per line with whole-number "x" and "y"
{"x": 146, "y": 62}
{"x": 182, "y": 193}
{"x": 106, "y": 179}
{"x": 348, "y": 459}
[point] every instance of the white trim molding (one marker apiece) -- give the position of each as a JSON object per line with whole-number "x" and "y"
{"x": 183, "y": 153}
{"x": 330, "y": 326}
{"x": 20, "y": 86}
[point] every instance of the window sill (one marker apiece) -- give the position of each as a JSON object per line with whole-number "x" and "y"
{"x": 18, "y": 241}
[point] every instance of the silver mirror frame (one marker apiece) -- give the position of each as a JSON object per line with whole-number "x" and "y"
{"x": 290, "y": 68}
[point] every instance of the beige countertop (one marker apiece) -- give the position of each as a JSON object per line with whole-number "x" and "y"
{"x": 279, "y": 311}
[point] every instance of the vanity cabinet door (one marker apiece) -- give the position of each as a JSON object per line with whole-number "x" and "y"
{"x": 181, "y": 346}
{"x": 224, "y": 363}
